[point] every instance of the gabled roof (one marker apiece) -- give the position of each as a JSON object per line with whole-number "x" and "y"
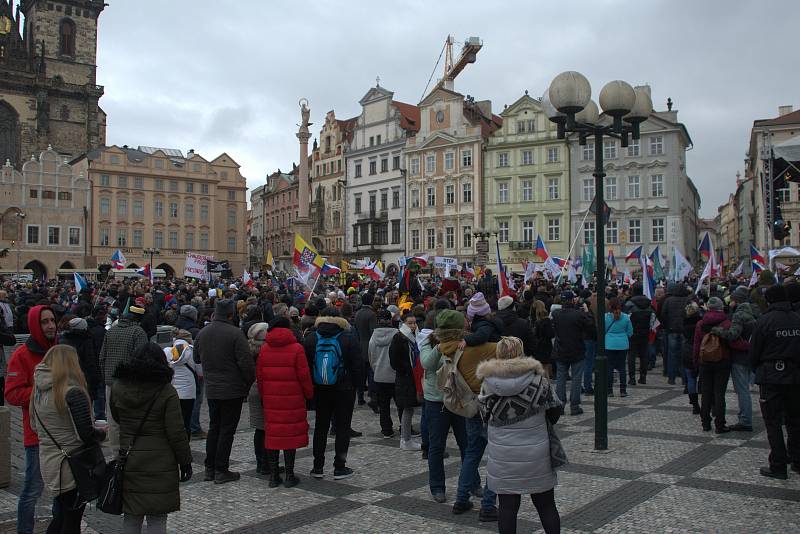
{"x": 409, "y": 115}
{"x": 789, "y": 118}
{"x": 524, "y": 99}
{"x": 217, "y": 160}
{"x": 374, "y": 94}
{"x": 431, "y": 97}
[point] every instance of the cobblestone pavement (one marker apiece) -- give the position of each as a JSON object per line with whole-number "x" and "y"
{"x": 662, "y": 473}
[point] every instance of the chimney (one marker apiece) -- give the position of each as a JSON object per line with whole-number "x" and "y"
{"x": 784, "y": 110}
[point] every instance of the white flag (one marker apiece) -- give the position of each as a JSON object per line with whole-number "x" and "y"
{"x": 682, "y": 266}
{"x": 706, "y": 274}
{"x": 785, "y": 251}
{"x": 739, "y": 270}
{"x": 572, "y": 276}
{"x": 753, "y": 278}
{"x": 529, "y": 270}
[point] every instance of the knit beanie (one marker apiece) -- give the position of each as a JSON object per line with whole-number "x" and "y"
{"x": 189, "y": 311}
{"x": 740, "y": 294}
{"x": 224, "y": 308}
{"x": 477, "y": 306}
{"x": 450, "y": 320}
{"x": 78, "y": 324}
{"x": 715, "y": 304}
{"x": 504, "y": 302}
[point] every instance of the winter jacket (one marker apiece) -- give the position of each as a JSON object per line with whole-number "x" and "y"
{"x": 673, "y": 309}
{"x": 515, "y": 399}
{"x": 570, "y": 324}
{"x": 121, "y": 341}
{"x": 255, "y": 340}
{"x": 379, "y": 355}
{"x": 186, "y": 323}
{"x": 150, "y": 485}
{"x": 543, "y": 333}
{"x": 687, "y": 354}
{"x": 285, "y": 385}
{"x": 702, "y": 329}
{"x": 228, "y": 367}
{"x": 743, "y": 320}
{"x": 431, "y": 360}
{"x": 82, "y": 342}
{"x": 618, "y": 331}
{"x": 180, "y": 357}
{"x": 472, "y": 357}
{"x": 353, "y": 372}
{"x": 774, "y": 346}
{"x": 640, "y": 310}
{"x": 19, "y": 379}
{"x": 7, "y": 339}
{"x": 365, "y": 322}
{"x": 71, "y": 429}
{"x": 483, "y": 330}
{"x": 402, "y": 361}
{"x": 98, "y": 332}
{"x": 512, "y": 325}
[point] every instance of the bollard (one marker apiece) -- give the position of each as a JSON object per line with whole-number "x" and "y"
{"x": 5, "y": 446}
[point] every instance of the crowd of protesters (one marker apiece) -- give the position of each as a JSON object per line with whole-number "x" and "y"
{"x": 498, "y": 371}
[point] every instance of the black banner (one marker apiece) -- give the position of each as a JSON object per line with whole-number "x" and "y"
{"x": 219, "y": 268}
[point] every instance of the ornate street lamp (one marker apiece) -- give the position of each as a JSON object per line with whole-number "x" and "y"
{"x": 152, "y": 251}
{"x": 568, "y": 103}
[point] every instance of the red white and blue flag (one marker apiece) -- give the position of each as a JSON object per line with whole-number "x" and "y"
{"x": 635, "y": 254}
{"x": 146, "y": 272}
{"x": 502, "y": 279}
{"x": 756, "y": 258}
{"x": 648, "y": 277}
{"x": 540, "y": 249}
{"x": 706, "y": 250}
{"x": 330, "y": 270}
{"x": 118, "y": 260}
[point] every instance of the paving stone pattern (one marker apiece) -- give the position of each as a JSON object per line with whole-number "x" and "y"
{"x": 662, "y": 473}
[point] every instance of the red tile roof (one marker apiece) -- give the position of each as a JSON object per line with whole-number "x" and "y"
{"x": 789, "y": 118}
{"x": 347, "y": 126}
{"x": 409, "y": 115}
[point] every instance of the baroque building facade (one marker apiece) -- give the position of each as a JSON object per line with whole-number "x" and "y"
{"x": 49, "y": 95}
{"x": 280, "y": 205}
{"x": 526, "y": 177}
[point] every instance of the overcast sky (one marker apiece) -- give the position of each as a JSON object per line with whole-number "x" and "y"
{"x": 225, "y": 75}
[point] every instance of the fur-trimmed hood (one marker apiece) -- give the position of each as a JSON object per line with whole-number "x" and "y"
{"x": 341, "y": 322}
{"x": 509, "y": 368}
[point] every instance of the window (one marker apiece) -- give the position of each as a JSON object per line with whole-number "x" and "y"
{"x": 588, "y": 232}
{"x": 48, "y": 194}
{"x": 449, "y": 194}
{"x": 527, "y": 231}
{"x": 358, "y": 170}
{"x": 159, "y": 184}
{"x": 431, "y": 238}
{"x": 431, "y": 196}
{"x": 467, "y": 236}
{"x": 122, "y": 181}
{"x": 384, "y": 165}
{"x": 204, "y": 241}
{"x": 122, "y": 207}
{"x": 372, "y": 202}
{"x": 204, "y": 189}
{"x": 466, "y": 158}
{"x": 105, "y": 206}
{"x": 552, "y": 189}
{"x": 66, "y": 42}
{"x": 122, "y": 237}
{"x": 173, "y": 210}
{"x": 395, "y": 198}
{"x": 190, "y": 187}
{"x": 33, "y": 235}
{"x": 610, "y": 149}
{"x": 552, "y": 154}
{"x": 378, "y": 139}
{"x": 527, "y": 157}
{"x": 114, "y": 159}
{"x": 173, "y": 239}
{"x": 159, "y": 164}
{"x": 527, "y": 190}
{"x": 53, "y": 235}
{"x": 657, "y": 228}
{"x": 430, "y": 163}
{"x": 531, "y": 125}
{"x": 783, "y": 194}
{"x": 232, "y": 218}
{"x": 635, "y": 231}
{"x": 588, "y": 151}
{"x": 450, "y": 237}
{"x": 138, "y": 238}
{"x": 373, "y": 166}
{"x": 204, "y": 212}
{"x": 339, "y": 165}
{"x": 395, "y": 232}
{"x": 231, "y": 195}
{"x": 502, "y": 231}
{"x": 380, "y": 234}
{"x": 611, "y": 188}
{"x": 189, "y": 240}
{"x": 414, "y": 166}
{"x": 415, "y": 239}
{"x": 588, "y": 189}
{"x": 158, "y": 239}
{"x": 612, "y": 232}
{"x": 189, "y": 211}
{"x": 467, "y": 193}
{"x": 34, "y": 193}
{"x": 633, "y": 187}
{"x": 633, "y": 147}
{"x": 502, "y": 193}
{"x": 384, "y": 200}
{"x": 415, "y": 198}
{"x": 553, "y": 229}
{"x": 337, "y": 219}
{"x": 358, "y": 204}
{"x": 324, "y": 168}
{"x": 105, "y": 180}
{"x": 449, "y": 161}
{"x": 395, "y": 163}
{"x": 656, "y": 145}
{"x": 520, "y": 127}
{"x": 173, "y": 186}
{"x": 657, "y": 185}
{"x": 502, "y": 159}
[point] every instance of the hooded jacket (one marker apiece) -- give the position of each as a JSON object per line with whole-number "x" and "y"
{"x": 121, "y": 341}
{"x": 285, "y": 385}
{"x": 379, "y": 354}
{"x": 512, "y": 325}
{"x": 19, "y": 379}
{"x": 180, "y": 357}
{"x": 83, "y": 343}
{"x": 673, "y": 309}
{"x": 483, "y": 330}
{"x": 351, "y": 350}
{"x": 738, "y": 335}
{"x": 640, "y": 310}
{"x": 228, "y": 366}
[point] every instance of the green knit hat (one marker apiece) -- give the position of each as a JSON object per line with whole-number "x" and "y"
{"x": 450, "y": 320}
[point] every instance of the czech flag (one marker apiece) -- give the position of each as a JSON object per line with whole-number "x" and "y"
{"x": 330, "y": 270}
{"x": 374, "y": 271}
{"x": 247, "y": 279}
{"x": 118, "y": 261}
{"x": 146, "y": 272}
{"x": 756, "y": 257}
{"x": 540, "y": 249}
{"x": 502, "y": 279}
{"x": 561, "y": 262}
{"x": 635, "y": 254}
{"x": 705, "y": 247}
{"x": 80, "y": 282}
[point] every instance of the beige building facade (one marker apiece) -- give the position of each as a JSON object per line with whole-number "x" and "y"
{"x": 158, "y": 198}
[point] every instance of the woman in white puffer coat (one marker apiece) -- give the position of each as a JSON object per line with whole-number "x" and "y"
{"x": 184, "y": 380}
{"x": 516, "y": 401}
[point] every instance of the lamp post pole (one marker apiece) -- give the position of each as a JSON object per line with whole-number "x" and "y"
{"x": 568, "y": 103}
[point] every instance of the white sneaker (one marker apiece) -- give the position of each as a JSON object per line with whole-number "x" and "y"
{"x": 410, "y": 445}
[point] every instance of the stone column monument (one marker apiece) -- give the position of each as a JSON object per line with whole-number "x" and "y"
{"x": 302, "y": 225}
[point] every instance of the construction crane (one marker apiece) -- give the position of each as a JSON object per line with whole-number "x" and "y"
{"x": 469, "y": 53}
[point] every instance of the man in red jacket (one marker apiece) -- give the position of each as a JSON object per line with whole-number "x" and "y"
{"x": 19, "y": 386}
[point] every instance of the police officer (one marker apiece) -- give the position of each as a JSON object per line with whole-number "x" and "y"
{"x": 775, "y": 358}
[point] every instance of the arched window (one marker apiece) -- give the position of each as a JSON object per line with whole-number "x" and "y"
{"x": 9, "y": 134}
{"x": 67, "y": 38}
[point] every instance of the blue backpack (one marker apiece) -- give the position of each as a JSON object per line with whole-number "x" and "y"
{"x": 327, "y": 360}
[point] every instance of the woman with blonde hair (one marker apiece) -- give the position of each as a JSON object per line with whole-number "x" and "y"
{"x": 61, "y": 409}
{"x": 518, "y": 404}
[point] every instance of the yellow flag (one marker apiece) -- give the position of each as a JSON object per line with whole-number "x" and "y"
{"x": 305, "y": 255}
{"x": 269, "y": 261}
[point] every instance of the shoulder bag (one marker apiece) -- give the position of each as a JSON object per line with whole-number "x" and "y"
{"x": 110, "y": 499}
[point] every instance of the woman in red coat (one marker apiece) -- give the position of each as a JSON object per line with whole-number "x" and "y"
{"x": 284, "y": 383}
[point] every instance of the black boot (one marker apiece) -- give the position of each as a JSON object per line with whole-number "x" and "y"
{"x": 274, "y": 476}
{"x": 264, "y": 463}
{"x": 291, "y": 479}
{"x": 694, "y": 403}
{"x": 643, "y": 379}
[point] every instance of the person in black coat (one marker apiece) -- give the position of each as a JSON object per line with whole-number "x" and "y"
{"x": 404, "y": 357}
{"x": 543, "y": 334}
{"x": 640, "y": 310}
{"x": 483, "y": 326}
{"x": 74, "y": 332}
{"x": 671, "y": 314}
{"x": 513, "y": 325}
{"x": 97, "y": 329}
{"x": 570, "y": 324}
{"x": 187, "y": 320}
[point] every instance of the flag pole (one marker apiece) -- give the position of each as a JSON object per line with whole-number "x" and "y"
{"x": 578, "y": 233}
{"x": 315, "y": 284}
